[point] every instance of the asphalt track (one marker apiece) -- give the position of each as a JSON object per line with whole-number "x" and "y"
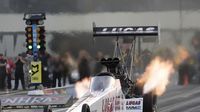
{"x": 180, "y": 99}
{"x": 175, "y": 99}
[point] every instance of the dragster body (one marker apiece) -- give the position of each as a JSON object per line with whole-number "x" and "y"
{"x": 114, "y": 90}
{"x": 105, "y": 95}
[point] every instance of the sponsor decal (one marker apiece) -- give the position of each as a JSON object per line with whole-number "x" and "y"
{"x": 34, "y": 100}
{"x": 107, "y": 104}
{"x": 129, "y": 29}
{"x": 138, "y": 30}
{"x": 36, "y": 72}
{"x": 29, "y": 100}
{"x": 134, "y": 104}
{"x": 112, "y": 104}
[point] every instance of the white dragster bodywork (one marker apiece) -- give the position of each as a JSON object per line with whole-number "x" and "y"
{"x": 105, "y": 95}
{"x": 113, "y": 91}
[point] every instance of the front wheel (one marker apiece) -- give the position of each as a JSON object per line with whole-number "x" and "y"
{"x": 85, "y": 108}
{"x": 47, "y": 109}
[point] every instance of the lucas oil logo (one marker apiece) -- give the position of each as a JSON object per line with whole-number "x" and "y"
{"x": 129, "y": 29}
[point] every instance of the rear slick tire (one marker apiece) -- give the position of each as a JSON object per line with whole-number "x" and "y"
{"x": 148, "y": 102}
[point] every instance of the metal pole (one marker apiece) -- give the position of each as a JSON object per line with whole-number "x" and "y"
{"x": 132, "y": 58}
{"x": 139, "y": 53}
{"x": 35, "y": 49}
{"x": 116, "y": 51}
{"x": 139, "y": 47}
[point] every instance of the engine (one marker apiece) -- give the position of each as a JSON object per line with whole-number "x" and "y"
{"x": 129, "y": 88}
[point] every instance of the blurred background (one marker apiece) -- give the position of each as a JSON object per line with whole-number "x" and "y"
{"x": 73, "y": 54}
{"x": 69, "y": 25}
{"x": 69, "y": 22}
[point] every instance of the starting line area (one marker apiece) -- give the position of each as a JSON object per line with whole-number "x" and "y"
{"x": 54, "y": 98}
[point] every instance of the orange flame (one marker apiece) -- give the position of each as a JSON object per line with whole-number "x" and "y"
{"x": 157, "y": 74}
{"x": 81, "y": 87}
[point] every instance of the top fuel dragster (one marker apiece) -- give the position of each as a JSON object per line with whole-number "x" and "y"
{"x": 114, "y": 91}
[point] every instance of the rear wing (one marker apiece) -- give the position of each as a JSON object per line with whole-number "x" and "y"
{"x": 126, "y": 31}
